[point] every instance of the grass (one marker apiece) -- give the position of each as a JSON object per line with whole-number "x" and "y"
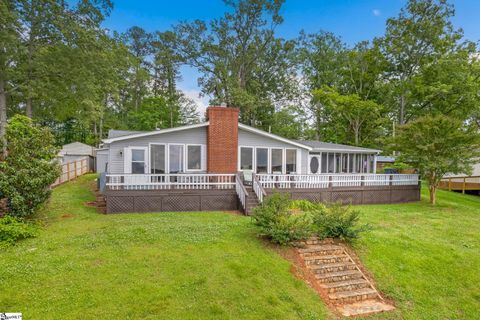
{"x": 147, "y": 266}
{"x": 211, "y": 266}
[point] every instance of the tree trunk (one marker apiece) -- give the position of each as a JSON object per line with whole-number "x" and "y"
{"x": 3, "y": 118}
{"x": 402, "y": 110}
{"x": 433, "y": 194}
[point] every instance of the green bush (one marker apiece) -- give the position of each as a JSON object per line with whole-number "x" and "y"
{"x": 337, "y": 221}
{"x": 276, "y": 221}
{"x": 305, "y": 205}
{"x": 13, "y": 229}
{"x": 29, "y": 168}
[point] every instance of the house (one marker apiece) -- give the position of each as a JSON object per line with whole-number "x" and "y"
{"x": 207, "y": 166}
{"x": 384, "y": 161}
{"x": 77, "y": 151}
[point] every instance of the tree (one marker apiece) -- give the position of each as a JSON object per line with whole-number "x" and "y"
{"x": 349, "y": 119}
{"x": 241, "y": 61}
{"x": 437, "y": 145}
{"x": 30, "y": 166}
{"x": 418, "y": 37}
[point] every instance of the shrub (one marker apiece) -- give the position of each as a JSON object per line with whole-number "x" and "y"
{"x": 337, "y": 221}
{"x": 305, "y": 205}
{"x": 13, "y": 229}
{"x": 29, "y": 168}
{"x": 278, "y": 223}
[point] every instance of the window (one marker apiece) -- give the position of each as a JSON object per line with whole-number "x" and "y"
{"x": 331, "y": 163}
{"x": 314, "y": 164}
{"x": 324, "y": 162}
{"x": 246, "y": 158}
{"x": 358, "y": 162}
{"x": 351, "y": 161}
{"x": 371, "y": 163}
{"x": 157, "y": 158}
{"x": 345, "y": 163}
{"x": 138, "y": 161}
{"x": 338, "y": 163}
{"x": 262, "y": 160}
{"x": 194, "y": 157}
{"x": 291, "y": 160}
{"x": 277, "y": 160}
{"x": 175, "y": 158}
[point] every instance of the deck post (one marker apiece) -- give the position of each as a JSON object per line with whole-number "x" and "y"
{"x": 75, "y": 167}
{"x": 449, "y": 184}
{"x": 464, "y": 180}
{"x": 68, "y": 171}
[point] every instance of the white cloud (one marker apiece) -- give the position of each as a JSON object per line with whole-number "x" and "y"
{"x": 201, "y": 102}
{"x": 376, "y": 12}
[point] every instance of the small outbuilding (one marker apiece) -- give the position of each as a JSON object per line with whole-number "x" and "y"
{"x": 77, "y": 151}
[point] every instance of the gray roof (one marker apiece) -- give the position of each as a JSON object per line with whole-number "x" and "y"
{"x": 77, "y": 149}
{"x": 320, "y": 146}
{"x": 385, "y": 159}
{"x": 112, "y": 133}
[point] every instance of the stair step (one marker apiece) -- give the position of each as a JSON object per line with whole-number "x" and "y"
{"x": 354, "y": 295}
{"x": 338, "y": 276}
{"x": 345, "y": 285}
{"x": 332, "y": 267}
{"x": 321, "y": 250}
{"x": 365, "y": 307}
{"x": 312, "y": 260}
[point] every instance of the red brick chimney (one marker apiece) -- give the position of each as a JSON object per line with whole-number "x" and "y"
{"x": 222, "y": 140}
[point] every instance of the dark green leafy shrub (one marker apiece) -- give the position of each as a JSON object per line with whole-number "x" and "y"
{"x": 276, "y": 221}
{"x": 13, "y": 229}
{"x": 305, "y": 205}
{"x": 29, "y": 168}
{"x": 337, "y": 221}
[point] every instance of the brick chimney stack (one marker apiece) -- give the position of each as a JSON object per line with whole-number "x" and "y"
{"x": 222, "y": 140}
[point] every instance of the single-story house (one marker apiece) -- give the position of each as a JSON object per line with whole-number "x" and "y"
{"x": 77, "y": 151}
{"x": 197, "y": 164}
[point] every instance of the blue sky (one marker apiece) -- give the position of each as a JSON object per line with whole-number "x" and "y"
{"x": 352, "y": 20}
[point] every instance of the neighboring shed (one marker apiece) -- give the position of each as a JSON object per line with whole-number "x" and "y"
{"x": 77, "y": 151}
{"x": 101, "y": 160}
{"x": 384, "y": 161}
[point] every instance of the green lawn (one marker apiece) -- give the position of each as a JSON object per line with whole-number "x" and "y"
{"x": 211, "y": 266}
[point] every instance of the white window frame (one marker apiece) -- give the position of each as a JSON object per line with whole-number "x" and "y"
{"x": 202, "y": 156}
{"x": 239, "y": 160}
{"x": 150, "y": 151}
{"x": 283, "y": 159}
{"x": 168, "y": 156}
{"x": 296, "y": 160}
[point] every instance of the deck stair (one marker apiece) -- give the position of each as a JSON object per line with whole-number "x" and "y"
{"x": 341, "y": 278}
{"x": 252, "y": 201}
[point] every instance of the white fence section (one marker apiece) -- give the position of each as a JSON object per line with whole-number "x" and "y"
{"x": 241, "y": 191}
{"x": 169, "y": 181}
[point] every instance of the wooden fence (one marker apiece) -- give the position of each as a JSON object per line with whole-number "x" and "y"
{"x": 72, "y": 170}
{"x": 469, "y": 183}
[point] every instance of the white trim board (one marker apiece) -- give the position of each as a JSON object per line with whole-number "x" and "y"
{"x": 272, "y": 136}
{"x": 152, "y": 133}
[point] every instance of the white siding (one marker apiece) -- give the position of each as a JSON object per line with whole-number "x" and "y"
{"x": 189, "y": 136}
{"x": 250, "y": 139}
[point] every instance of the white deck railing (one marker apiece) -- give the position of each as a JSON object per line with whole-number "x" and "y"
{"x": 170, "y": 181}
{"x": 241, "y": 191}
{"x": 319, "y": 181}
{"x": 260, "y": 181}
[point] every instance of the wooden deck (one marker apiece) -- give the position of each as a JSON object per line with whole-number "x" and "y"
{"x": 471, "y": 183}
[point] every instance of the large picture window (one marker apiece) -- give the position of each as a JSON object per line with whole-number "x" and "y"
{"x": 291, "y": 160}
{"x": 277, "y": 160}
{"x": 194, "y": 157}
{"x": 262, "y": 160}
{"x": 175, "y": 158}
{"x": 246, "y": 158}
{"x": 157, "y": 159}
